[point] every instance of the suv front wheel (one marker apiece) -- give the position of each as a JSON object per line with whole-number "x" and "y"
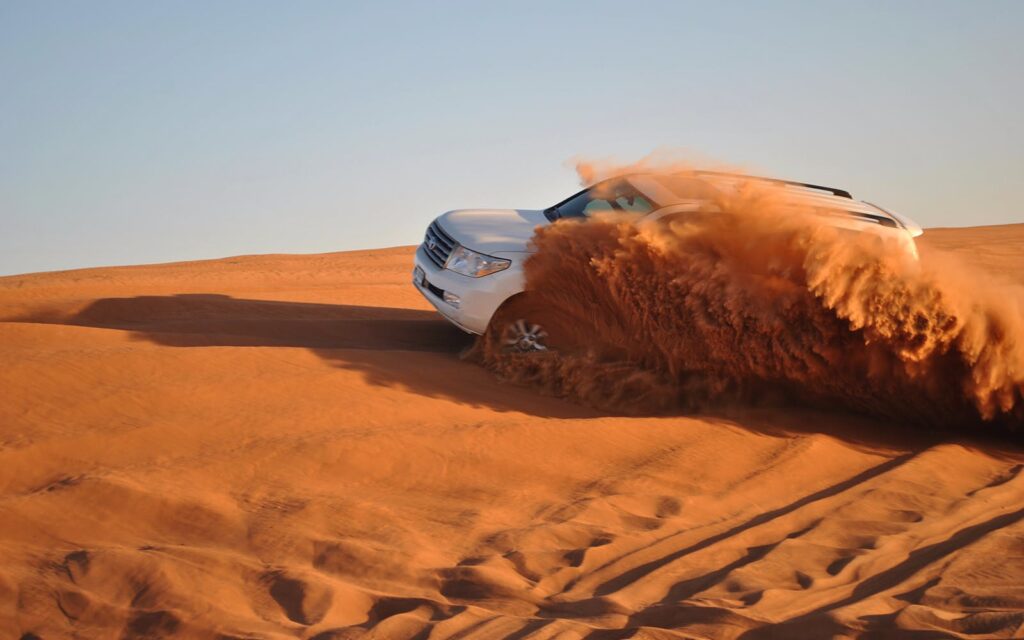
{"x": 525, "y": 325}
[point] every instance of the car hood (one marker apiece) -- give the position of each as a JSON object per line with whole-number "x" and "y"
{"x": 492, "y": 230}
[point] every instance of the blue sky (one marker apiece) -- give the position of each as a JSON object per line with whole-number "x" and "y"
{"x": 136, "y": 132}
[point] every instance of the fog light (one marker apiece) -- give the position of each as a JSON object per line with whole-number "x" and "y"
{"x": 452, "y": 299}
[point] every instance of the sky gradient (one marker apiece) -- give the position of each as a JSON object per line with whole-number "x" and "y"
{"x": 159, "y": 131}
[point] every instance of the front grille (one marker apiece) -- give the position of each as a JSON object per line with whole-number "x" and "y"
{"x": 437, "y": 244}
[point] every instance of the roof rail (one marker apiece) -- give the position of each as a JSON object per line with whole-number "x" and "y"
{"x": 834, "y": 191}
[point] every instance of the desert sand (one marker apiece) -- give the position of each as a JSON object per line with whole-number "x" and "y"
{"x": 287, "y": 446}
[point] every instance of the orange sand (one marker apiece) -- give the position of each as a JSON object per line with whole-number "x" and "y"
{"x": 290, "y": 447}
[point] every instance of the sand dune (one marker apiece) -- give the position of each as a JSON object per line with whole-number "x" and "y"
{"x": 290, "y": 447}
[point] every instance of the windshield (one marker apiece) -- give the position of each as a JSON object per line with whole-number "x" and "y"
{"x": 610, "y": 195}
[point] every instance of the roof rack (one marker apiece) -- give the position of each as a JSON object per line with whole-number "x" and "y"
{"x": 836, "y": 192}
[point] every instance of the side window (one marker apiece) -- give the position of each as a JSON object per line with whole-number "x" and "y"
{"x": 617, "y": 195}
{"x": 634, "y": 203}
{"x": 612, "y": 195}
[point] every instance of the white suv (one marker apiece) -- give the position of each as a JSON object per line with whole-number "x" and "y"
{"x": 471, "y": 261}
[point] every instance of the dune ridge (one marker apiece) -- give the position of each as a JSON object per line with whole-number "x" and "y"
{"x": 291, "y": 446}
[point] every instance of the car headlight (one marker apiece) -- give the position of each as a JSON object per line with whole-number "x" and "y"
{"x": 473, "y": 264}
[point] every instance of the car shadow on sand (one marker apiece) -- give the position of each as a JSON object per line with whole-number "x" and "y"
{"x": 418, "y": 351}
{"x": 410, "y": 348}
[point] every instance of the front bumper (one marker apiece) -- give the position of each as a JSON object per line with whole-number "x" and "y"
{"x": 479, "y": 298}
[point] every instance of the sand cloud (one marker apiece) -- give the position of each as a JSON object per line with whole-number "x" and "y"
{"x": 752, "y": 298}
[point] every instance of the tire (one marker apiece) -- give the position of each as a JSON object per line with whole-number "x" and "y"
{"x": 524, "y": 325}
